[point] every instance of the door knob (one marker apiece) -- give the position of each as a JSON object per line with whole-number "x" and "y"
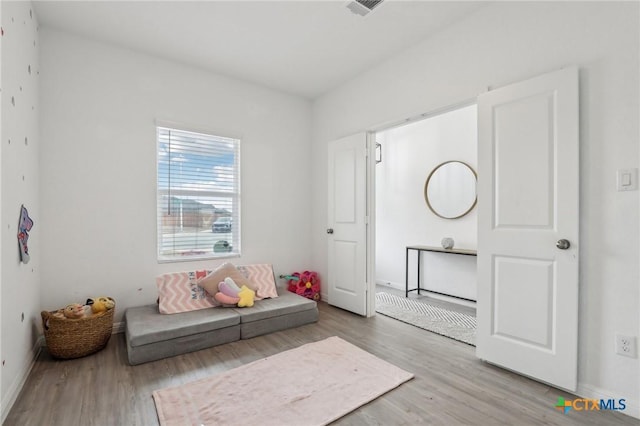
{"x": 330, "y": 231}
{"x": 563, "y": 244}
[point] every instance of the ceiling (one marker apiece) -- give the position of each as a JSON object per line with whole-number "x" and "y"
{"x": 301, "y": 47}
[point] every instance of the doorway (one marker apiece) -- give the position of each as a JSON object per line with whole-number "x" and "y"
{"x": 527, "y": 287}
{"x": 406, "y": 156}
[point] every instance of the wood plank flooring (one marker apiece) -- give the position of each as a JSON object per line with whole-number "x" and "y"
{"x": 451, "y": 386}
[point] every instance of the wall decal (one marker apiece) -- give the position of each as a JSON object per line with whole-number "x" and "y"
{"x": 24, "y": 226}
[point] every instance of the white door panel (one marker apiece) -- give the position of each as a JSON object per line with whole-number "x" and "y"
{"x": 530, "y": 284}
{"x": 347, "y": 242}
{"x": 527, "y": 201}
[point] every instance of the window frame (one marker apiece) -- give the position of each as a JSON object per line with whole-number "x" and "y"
{"x": 193, "y": 253}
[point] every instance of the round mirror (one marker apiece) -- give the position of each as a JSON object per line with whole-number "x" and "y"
{"x": 450, "y": 190}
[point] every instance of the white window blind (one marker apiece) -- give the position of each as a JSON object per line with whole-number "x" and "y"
{"x": 198, "y": 195}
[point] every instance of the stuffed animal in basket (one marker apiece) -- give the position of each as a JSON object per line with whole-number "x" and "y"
{"x": 229, "y": 294}
{"x": 73, "y": 311}
{"x": 101, "y": 304}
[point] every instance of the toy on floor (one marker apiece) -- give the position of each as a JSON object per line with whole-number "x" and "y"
{"x": 229, "y": 294}
{"x": 306, "y": 284}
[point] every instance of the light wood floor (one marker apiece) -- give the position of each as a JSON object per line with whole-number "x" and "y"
{"x": 450, "y": 386}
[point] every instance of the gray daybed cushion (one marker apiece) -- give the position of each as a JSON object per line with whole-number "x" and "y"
{"x": 285, "y": 311}
{"x": 151, "y": 336}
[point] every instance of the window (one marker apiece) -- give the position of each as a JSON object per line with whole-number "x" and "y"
{"x": 198, "y": 195}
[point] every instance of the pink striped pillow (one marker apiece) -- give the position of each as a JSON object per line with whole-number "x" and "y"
{"x": 262, "y": 278}
{"x": 180, "y": 292}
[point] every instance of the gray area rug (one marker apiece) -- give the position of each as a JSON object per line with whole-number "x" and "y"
{"x": 455, "y": 325}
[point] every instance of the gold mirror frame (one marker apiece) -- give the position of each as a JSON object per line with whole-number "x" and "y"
{"x": 426, "y": 186}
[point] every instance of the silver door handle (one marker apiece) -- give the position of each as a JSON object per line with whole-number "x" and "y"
{"x": 563, "y": 244}
{"x": 330, "y": 231}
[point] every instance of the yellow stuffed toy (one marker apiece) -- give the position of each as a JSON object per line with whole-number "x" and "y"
{"x": 229, "y": 294}
{"x": 246, "y": 296}
{"x": 101, "y": 304}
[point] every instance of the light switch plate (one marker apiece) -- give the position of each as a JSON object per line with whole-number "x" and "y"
{"x": 627, "y": 179}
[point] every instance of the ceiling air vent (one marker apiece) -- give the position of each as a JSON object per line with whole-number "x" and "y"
{"x": 363, "y": 7}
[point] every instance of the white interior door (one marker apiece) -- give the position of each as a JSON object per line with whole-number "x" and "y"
{"x": 527, "y": 205}
{"x": 347, "y": 227}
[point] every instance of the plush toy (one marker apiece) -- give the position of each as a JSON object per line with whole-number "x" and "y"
{"x": 92, "y": 307}
{"x": 230, "y": 294}
{"x": 101, "y": 304}
{"x": 246, "y": 296}
{"x": 74, "y": 311}
{"x": 227, "y": 292}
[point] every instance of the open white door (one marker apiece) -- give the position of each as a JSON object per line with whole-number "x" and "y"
{"x": 528, "y": 227}
{"x": 347, "y": 227}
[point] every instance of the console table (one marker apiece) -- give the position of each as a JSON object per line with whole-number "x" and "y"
{"x": 420, "y": 249}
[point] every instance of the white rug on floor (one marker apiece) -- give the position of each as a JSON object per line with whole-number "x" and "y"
{"x": 313, "y": 384}
{"x": 455, "y": 325}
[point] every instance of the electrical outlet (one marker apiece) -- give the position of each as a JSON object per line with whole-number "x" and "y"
{"x": 626, "y": 345}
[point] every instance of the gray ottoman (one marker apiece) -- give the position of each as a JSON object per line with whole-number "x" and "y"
{"x": 288, "y": 310}
{"x": 151, "y": 335}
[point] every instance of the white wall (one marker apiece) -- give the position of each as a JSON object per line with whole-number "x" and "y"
{"x": 2, "y": 416}
{"x": 19, "y": 148}
{"x": 98, "y": 167}
{"x": 508, "y": 42}
{"x": 410, "y": 153}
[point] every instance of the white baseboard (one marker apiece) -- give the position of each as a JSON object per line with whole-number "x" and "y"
{"x": 14, "y": 389}
{"x": 118, "y": 327}
{"x": 594, "y": 392}
{"x": 396, "y": 286}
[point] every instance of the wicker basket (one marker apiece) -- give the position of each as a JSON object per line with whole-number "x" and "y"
{"x": 75, "y": 338}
